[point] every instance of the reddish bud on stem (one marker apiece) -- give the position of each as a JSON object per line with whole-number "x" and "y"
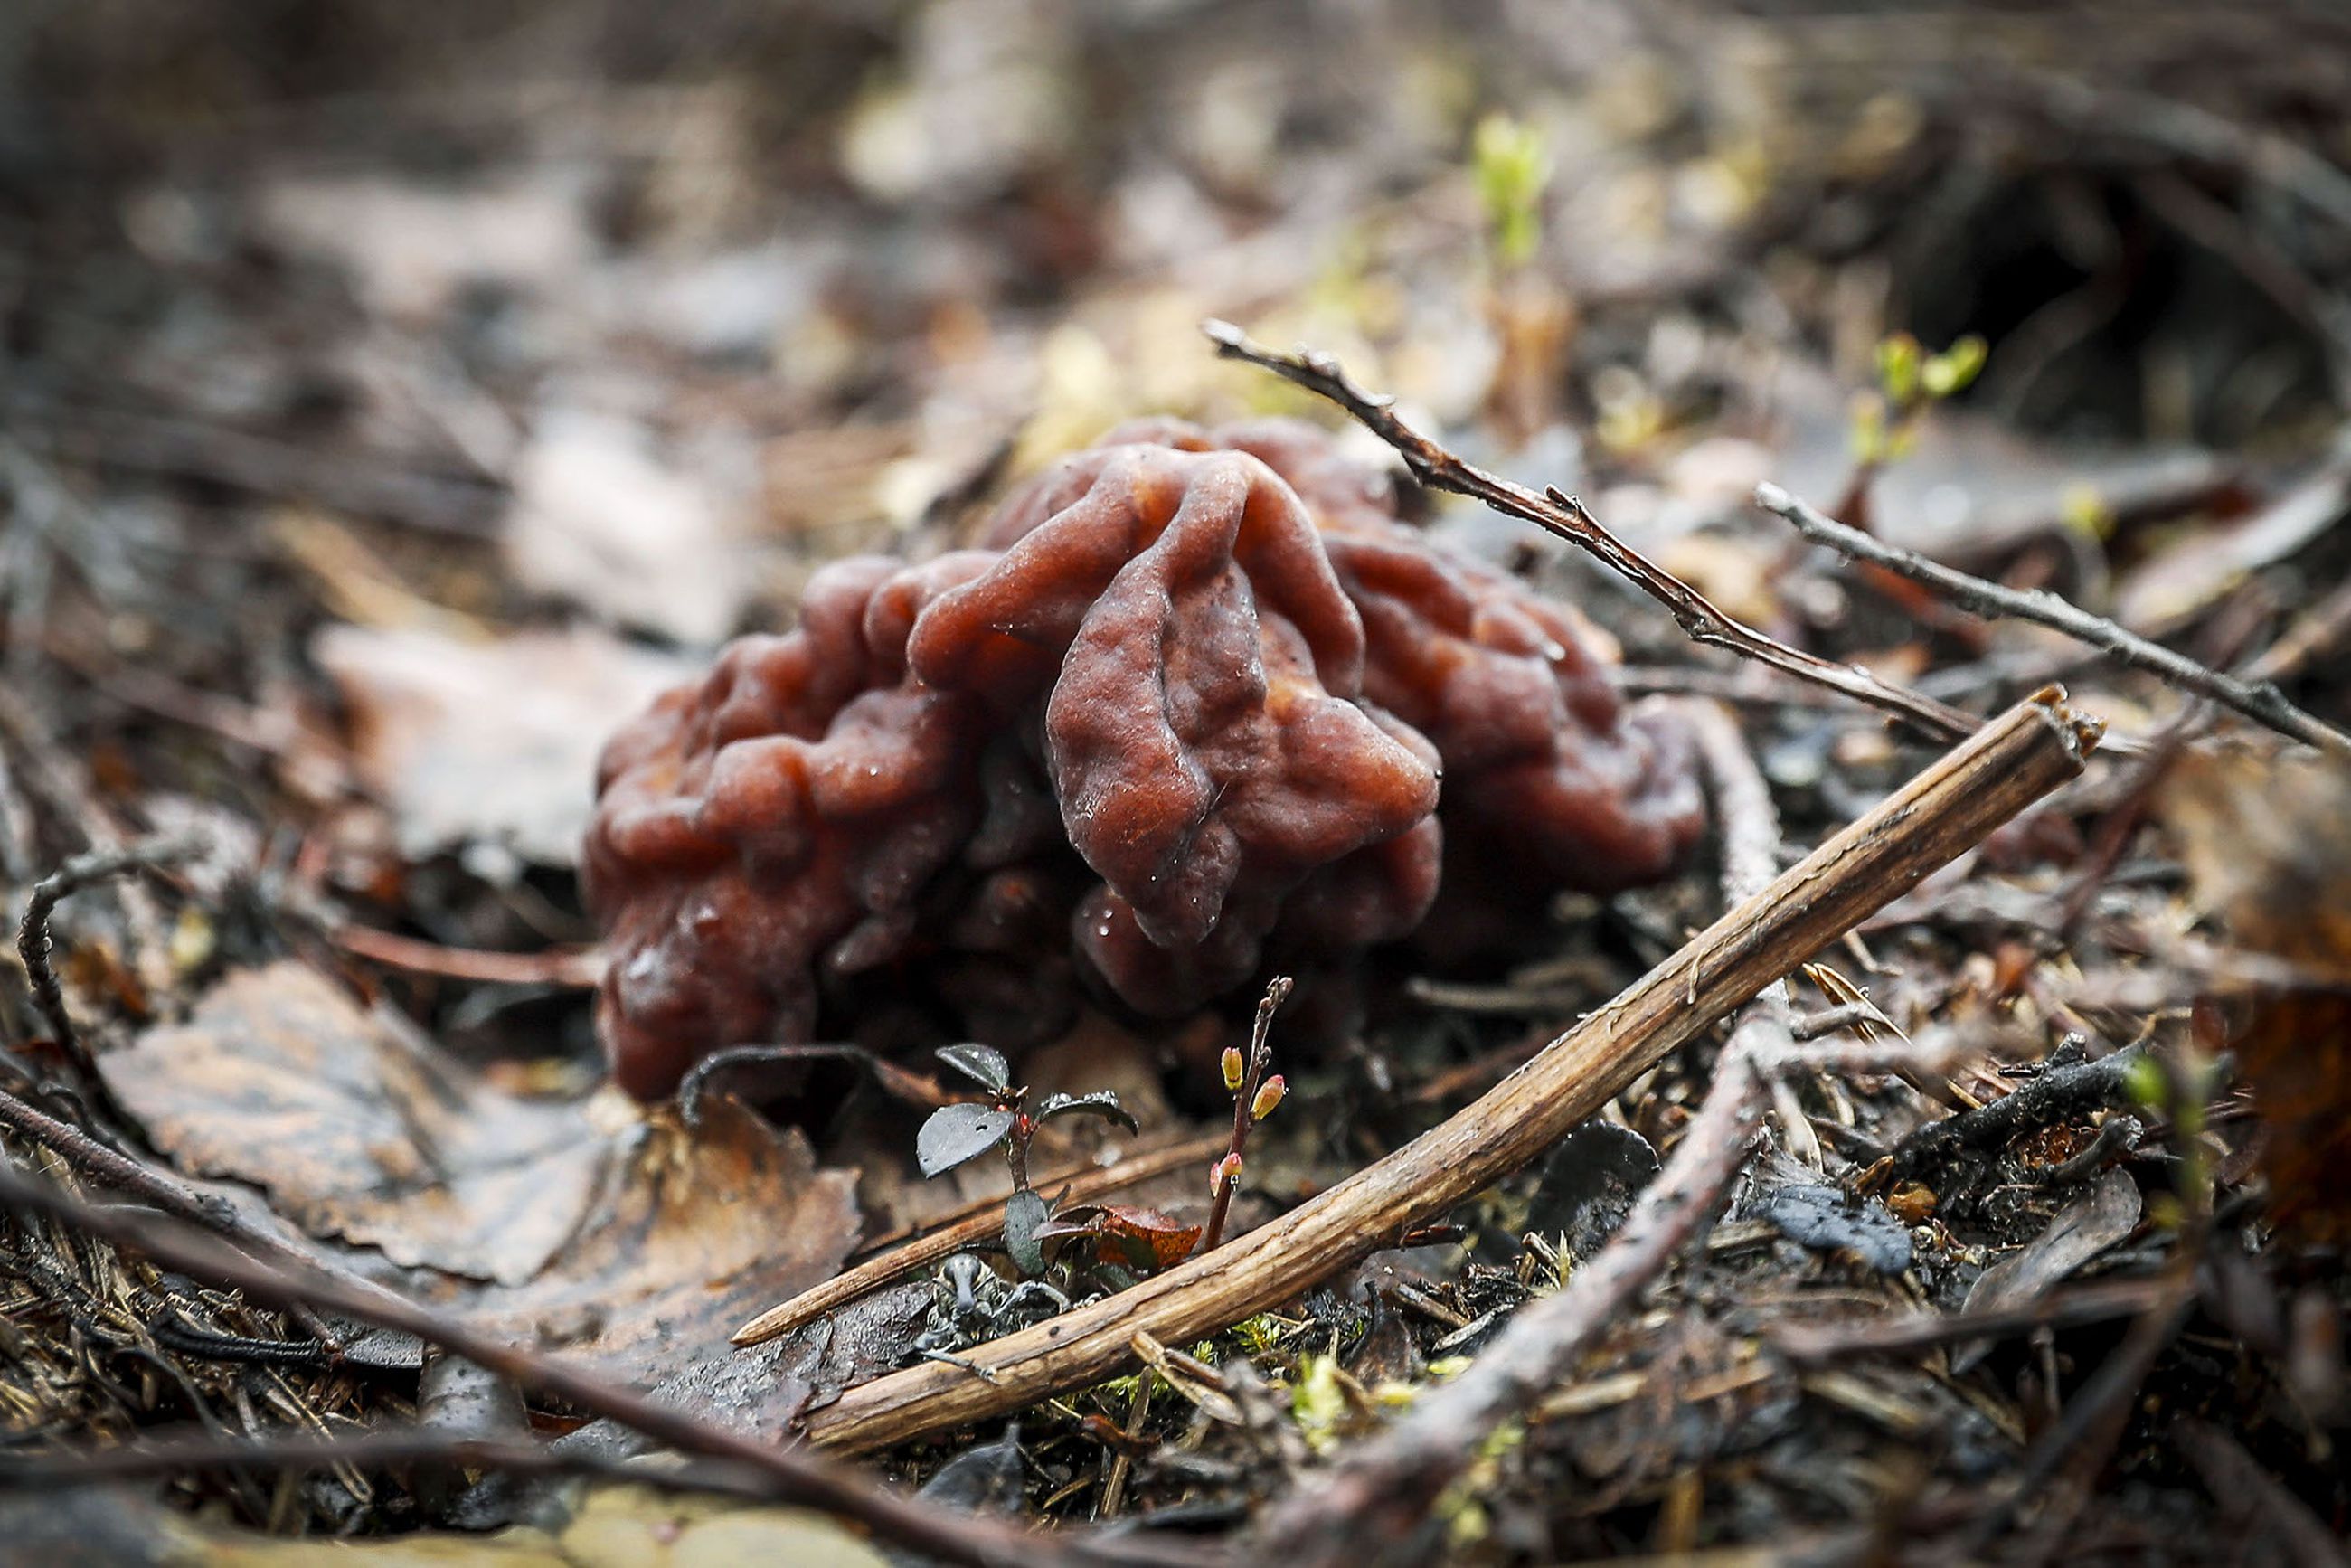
{"x": 1268, "y": 1094}
{"x": 1223, "y": 1174}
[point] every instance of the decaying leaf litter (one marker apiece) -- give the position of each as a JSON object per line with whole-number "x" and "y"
{"x": 393, "y": 405}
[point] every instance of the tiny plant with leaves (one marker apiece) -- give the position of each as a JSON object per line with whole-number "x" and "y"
{"x": 959, "y": 1133}
{"x": 2181, "y": 1086}
{"x": 1910, "y": 381}
{"x": 1514, "y": 169}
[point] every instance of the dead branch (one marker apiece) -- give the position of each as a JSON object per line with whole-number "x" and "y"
{"x": 1561, "y": 514}
{"x": 1927, "y": 1058}
{"x": 2259, "y": 701}
{"x": 1832, "y": 1021}
{"x": 804, "y": 1478}
{"x": 1949, "y": 807}
{"x": 2057, "y": 1092}
{"x": 983, "y": 1221}
{"x": 574, "y": 968}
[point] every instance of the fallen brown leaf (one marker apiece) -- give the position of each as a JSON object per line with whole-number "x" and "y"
{"x": 693, "y": 1230}
{"x": 595, "y": 1226}
{"x": 358, "y": 1129}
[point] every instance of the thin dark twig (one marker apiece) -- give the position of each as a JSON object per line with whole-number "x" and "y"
{"x": 64, "y": 787}
{"x": 176, "y": 1333}
{"x": 2259, "y": 701}
{"x": 572, "y": 969}
{"x": 1820, "y": 1344}
{"x": 1700, "y": 618}
{"x": 912, "y": 1087}
{"x": 2066, "y": 1457}
{"x": 34, "y": 943}
{"x": 1746, "y": 685}
{"x": 1832, "y": 1020}
{"x": 797, "y": 1474}
{"x": 112, "y": 1168}
{"x": 1121, "y": 1461}
{"x": 2092, "y": 1420}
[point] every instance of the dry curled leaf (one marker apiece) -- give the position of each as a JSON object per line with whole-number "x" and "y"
{"x": 1124, "y": 1233}
{"x": 359, "y": 1130}
{"x": 2086, "y": 1228}
{"x": 621, "y": 1236}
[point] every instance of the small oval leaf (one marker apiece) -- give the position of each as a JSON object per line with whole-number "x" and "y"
{"x": 982, "y": 1064}
{"x": 1101, "y": 1103}
{"x": 954, "y": 1133}
{"x": 1024, "y": 1217}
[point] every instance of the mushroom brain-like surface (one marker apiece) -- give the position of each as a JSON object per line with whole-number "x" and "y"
{"x": 1200, "y": 703}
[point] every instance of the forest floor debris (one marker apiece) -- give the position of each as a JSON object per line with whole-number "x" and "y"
{"x": 393, "y": 403}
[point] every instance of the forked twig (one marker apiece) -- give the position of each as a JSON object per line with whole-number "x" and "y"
{"x": 2259, "y": 700}
{"x": 1227, "y": 1173}
{"x": 1561, "y": 514}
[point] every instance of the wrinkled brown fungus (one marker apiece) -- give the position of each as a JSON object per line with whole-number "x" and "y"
{"x": 1190, "y": 704}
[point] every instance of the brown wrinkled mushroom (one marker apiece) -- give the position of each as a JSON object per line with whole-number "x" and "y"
{"x": 1199, "y": 671}
{"x": 1541, "y": 759}
{"x": 783, "y": 815}
{"x": 1189, "y": 706}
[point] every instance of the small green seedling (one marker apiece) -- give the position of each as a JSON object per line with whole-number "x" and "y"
{"x": 1910, "y": 381}
{"x": 2181, "y": 1086}
{"x": 1513, "y": 168}
{"x": 957, "y": 1135}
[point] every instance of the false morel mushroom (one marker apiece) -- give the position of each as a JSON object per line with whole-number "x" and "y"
{"x": 1199, "y": 702}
